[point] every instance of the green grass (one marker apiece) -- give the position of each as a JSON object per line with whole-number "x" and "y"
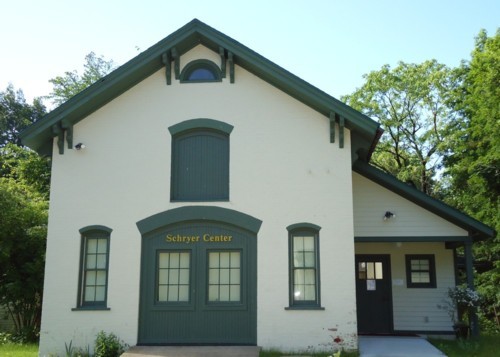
{"x": 16, "y": 350}
{"x": 484, "y": 346}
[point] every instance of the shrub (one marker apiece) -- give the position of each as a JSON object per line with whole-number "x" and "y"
{"x": 108, "y": 345}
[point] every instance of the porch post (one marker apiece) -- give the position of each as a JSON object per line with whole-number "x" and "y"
{"x": 470, "y": 284}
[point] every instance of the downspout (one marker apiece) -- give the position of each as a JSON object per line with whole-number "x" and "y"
{"x": 469, "y": 260}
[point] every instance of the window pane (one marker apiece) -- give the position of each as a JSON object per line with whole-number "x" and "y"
{"x": 213, "y": 293}
{"x": 224, "y": 276}
{"x": 310, "y": 292}
{"x": 102, "y": 246}
{"x": 184, "y": 276}
{"x": 173, "y": 293}
{"x": 235, "y": 293}
{"x": 163, "y": 276}
{"x": 100, "y": 292}
{"x": 224, "y": 260}
{"x": 309, "y": 259}
{"x": 89, "y": 294}
{"x": 91, "y": 261}
{"x": 378, "y": 270}
{"x": 101, "y": 277}
{"x": 200, "y": 74}
{"x": 298, "y": 259}
{"x": 213, "y": 276}
{"x": 298, "y": 292}
{"x": 235, "y": 259}
{"x": 163, "y": 260}
{"x": 174, "y": 260}
{"x": 101, "y": 261}
{"x": 235, "y": 276}
{"x": 213, "y": 260}
{"x": 90, "y": 278}
{"x": 370, "y": 269}
{"x": 183, "y": 293}
{"x": 173, "y": 277}
{"x": 91, "y": 245}
{"x": 420, "y": 277}
{"x": 162, "y": 293}
{"x": 362, "y": 270}
{"x": 309, "y": 277}
{"x": 184, "y": 260}
{"x": 308, "y": 244}
{"x": 224, "y": 293}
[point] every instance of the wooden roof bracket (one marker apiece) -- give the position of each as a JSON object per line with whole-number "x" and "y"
{"x": 333, "y": 118}
{"x": 222, "y": 62}
{"x": 59, "y": 132}
{"x": 68, "y": 127}
{"x": 167, "y": 61}
{"x": 231, "y": 66}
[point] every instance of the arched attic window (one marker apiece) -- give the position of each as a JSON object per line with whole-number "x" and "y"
{"x": 200, "y": 71}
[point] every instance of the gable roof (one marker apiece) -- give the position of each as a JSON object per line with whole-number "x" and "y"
{"x": 39, "y": 135}
{"x": 476, "y": 229}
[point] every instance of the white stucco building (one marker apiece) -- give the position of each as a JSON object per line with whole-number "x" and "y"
{"x": 201, "y": 194}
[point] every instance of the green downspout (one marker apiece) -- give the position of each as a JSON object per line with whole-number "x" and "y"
{"x": 474, "y": 323}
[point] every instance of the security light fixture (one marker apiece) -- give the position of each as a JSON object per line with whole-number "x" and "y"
{"x": 389, "y": 215}
{"x": 79, "y": 146}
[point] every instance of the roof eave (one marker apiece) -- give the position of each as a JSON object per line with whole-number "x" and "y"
{"x": 190, "y": 35}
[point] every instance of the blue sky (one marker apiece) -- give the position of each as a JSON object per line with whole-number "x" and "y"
{"x": 329, "y": 43}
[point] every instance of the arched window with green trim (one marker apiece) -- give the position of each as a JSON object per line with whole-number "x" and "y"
{"x": 94, "y": 266}
{"x": 304, "y": 274}
{"x": 199, "y": 71}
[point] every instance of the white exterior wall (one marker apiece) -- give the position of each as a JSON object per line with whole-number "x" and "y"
{"x": 283, "y": 170}
{"x": 371, "y": 201}
{"x": 417, "y": 309}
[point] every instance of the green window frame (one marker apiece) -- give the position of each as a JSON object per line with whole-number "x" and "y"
{"x": 304, "y": 266}
{"x": 224, "y": 277}
{"x": 200, "y": 71}
{"x": 420, "y": 271}
{"x": 94, "y": 268}
{"x": 173, "y": 277}
{"x": 200, "y": 161}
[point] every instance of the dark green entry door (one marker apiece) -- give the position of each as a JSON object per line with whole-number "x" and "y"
{"x": 198, "y": 286}
{"x": 373, "y": 294}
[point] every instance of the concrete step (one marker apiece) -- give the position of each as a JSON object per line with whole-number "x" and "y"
{"x": 192, "y": 351}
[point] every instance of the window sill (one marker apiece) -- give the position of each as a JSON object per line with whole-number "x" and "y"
{"x": 91, "y": 308}
{"x": 304, "y": 308}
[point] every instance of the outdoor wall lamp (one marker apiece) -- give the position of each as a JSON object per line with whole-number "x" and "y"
{"x": 389, "y": 215}
{"x": 79, "y": 146}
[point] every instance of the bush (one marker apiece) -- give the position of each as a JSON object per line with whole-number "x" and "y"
{"x": 108, "y": 345}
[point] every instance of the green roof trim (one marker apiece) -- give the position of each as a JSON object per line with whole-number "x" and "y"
{"x": 38, "y": 135}
{"x": 476, "y": 229}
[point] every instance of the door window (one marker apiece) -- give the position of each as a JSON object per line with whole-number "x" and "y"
{"x": 224, "y": 276}
{"x": 173, "y": 276}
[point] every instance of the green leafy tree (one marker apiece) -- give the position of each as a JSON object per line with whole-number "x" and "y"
{"x": 72, "y": 83}
{"x": 472, "y": 166}
{"x": 16, "y": 114}
{"x": 410, "y": 101}
{"x": 23, "y": 217}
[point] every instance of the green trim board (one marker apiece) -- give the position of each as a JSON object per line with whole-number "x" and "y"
{"x": 200, "y": 123}
{"x": 408, "y": 239}
{"x": 199, "y": 213}
{"x": 187, "y": 37}
{"x": 476, "y": 229}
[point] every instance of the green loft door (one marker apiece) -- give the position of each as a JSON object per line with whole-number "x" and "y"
{"x": 198, "y": 286}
